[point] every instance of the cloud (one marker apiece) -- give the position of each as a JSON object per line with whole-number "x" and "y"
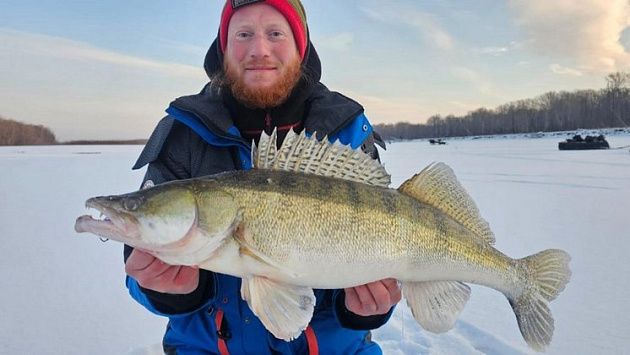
{"x": 494, "y": 51}
{"x": 186, "y": 48}
{"x": 57, "y": 47}
{"x": 424, "y": 23}
{"x": 391, "y": 109}
{"x": 625, "y": 38}
{"x": 586, "y": 32}
{"x": 559, "y": 69}
{"x": 479, "y": 82}
{"x": 394, "y": 109}
{"x": 81, "y": 91}
{"x": 461, "y": 106}
{"x": 497, "y": 51}
{"x": 338, "y": 42}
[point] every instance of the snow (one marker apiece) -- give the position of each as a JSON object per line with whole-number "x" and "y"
{"x": 64, "y": 293}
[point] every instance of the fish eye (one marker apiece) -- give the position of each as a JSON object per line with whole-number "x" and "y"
{"x": 131, "y": 204}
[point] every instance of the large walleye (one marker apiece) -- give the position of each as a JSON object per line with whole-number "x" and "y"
{"x": 318, "y": 215}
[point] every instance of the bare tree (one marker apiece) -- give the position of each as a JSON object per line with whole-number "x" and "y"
{"x": 552, "y": 111}
{"x": 18, "y": 133}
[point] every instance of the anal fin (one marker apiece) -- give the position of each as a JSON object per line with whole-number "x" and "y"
{"x": 436, "y": 304}
{"x": 285, "y": 310}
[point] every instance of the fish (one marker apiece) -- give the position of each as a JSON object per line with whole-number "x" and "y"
{"x": 315, "y": 214}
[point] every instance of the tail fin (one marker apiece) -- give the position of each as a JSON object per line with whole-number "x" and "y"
{"x": 548, "y": 273}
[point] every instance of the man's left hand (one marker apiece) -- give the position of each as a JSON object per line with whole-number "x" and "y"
{"x": 374, "y": 298}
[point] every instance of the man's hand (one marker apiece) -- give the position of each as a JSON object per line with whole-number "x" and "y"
{"x": 374, "y": 298}
{"x": 156, "y": 275}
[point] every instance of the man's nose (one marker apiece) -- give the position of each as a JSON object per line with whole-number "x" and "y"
{"x": 260, "y": 47}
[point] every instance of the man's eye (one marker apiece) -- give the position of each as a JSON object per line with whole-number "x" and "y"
{"x": 276, "y": 34}
{"x": 243, "y": 35}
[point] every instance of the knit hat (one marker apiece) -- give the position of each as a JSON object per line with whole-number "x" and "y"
{"x": 292, "y": 10}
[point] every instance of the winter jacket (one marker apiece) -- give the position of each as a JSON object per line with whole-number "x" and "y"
{"x": 197, "y": 138}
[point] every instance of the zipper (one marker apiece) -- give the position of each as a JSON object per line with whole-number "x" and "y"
{"x": 268, "y": 123}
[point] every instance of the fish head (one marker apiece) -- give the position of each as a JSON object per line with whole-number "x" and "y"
{"x": 150, "y": 219}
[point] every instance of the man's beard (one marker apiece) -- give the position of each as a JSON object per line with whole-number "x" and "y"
{"x": 263, "y": 98}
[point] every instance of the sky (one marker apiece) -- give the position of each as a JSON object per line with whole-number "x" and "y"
{"x": 108, "y": 69}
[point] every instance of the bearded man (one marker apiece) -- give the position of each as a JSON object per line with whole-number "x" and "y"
{"x": 264, "y": 75}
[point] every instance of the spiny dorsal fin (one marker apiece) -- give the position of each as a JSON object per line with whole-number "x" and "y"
{"x": 437, "y": 186}
{"x": 300, "y": 153}
{"x": 263, "y": 155}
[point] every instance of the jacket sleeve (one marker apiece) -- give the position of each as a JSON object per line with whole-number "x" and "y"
{"x": 167, "y": 154}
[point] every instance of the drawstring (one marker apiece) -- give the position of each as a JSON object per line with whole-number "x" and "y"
{"x": 222, "y": 334}
{"x": 311, "y": 340}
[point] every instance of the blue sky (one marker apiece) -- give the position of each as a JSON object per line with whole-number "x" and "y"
{"x": 107, "y": 69}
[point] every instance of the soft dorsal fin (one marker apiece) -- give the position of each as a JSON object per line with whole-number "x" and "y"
{"x": 437, "y": 186}
{"x": 303, "y": 154}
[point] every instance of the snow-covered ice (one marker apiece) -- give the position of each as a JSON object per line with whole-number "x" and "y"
{"x": 64, "y": 293}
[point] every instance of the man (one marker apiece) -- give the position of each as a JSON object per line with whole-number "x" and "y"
{"x": 264, "y": 75}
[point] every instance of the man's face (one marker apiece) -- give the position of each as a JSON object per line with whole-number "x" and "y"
{"x": 262, "y": 61}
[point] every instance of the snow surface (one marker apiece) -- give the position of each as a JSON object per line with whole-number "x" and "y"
{"x": 64, "y": 293}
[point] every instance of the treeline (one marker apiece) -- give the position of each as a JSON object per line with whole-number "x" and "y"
{"x": 553, "y": 111}
{"x": 18, "y": 133}
{"x": 108, "y": 142}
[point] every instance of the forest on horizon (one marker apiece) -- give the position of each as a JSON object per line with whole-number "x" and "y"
{"x": 18, "y": 133}
{"x": 553, "y": 111}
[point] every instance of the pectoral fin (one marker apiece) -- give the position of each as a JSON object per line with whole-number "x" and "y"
{"x": 245, "y": 248}
{"x": 285, "y": 310}
{"x": 436, "y": 304}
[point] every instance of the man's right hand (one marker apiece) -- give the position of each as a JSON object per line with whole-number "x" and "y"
{"x": 154, "y": 274}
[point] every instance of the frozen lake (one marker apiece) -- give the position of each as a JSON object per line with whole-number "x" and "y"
{"x": 64, "y": 293}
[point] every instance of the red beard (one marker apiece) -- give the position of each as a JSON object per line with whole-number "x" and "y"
{"x": 263, "y": 98}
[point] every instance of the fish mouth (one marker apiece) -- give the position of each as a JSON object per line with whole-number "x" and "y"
{"x": 111, "y": 223}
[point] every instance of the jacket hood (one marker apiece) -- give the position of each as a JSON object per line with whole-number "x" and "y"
{"x": 311, "y": 65}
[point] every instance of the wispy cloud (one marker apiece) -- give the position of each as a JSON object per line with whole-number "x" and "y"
{"x": 559, "y": 69}
{"x": 497, "y": 51}
{"x": 426, "y": 25}
{"x": 181, "y": 47}
{"x": 625, "y": 38}
{"x": 474, "y": 78}
{"x": 391, "y": 109}
{"x": 460, "y": 106}
{"x": 81, "y": 91}
{"x": 586, "y": 32}
{"x": 57, "y": 47}
{"x": 338, "y": 42}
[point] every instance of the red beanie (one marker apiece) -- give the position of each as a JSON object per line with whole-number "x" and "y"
{"x": 292, "y": 10}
